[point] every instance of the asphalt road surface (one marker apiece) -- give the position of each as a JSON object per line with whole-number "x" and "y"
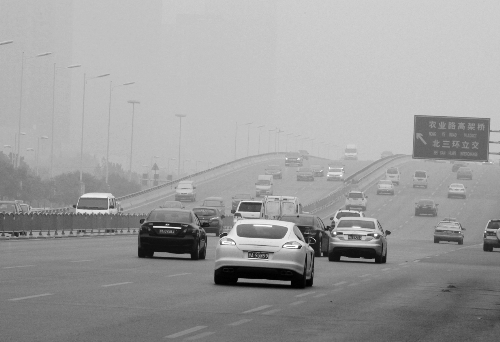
{"x": 97, "y": 289}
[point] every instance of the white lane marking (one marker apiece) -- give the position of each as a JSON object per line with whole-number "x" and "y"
{"x": 80, "y": 260}
{"x": 30, "y": 297}
{"x": 367, "y": 279}
{"x": 353, "y": 284}
{"x": 178, "y": 274}
{"x": 187, "y": 331}
{"x": 416, "y": 260}
{"x": 386, "y": 269}
{"x": 403, "y": 263}
{"x": 196, "y": 337}
{"x": 270, "y": 312}
{"x": 258, "y": 309}
{"x": 341, "y": 283}
{"x": 365, "y": 275}
{"x": 7, "y": 267}
{"x": 117, "y": 284}
{"x": 240, "y": 322}
{"x": 298, "y": 302}
{"x": 320, "y": 295}
{"x": 305, "y": 294}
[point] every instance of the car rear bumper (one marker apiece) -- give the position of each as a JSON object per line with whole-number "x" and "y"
{"x": 385, "y": 191}
{"x": 451, "y": 238}
{"x": 168, "y": 244}
{"x": 184, "y": 197}
{"x": 356, "y": 249}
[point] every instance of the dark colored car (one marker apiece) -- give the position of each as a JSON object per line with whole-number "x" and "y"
{"x": 236, "y": 199}
{"x": 304, "y": 154}
{"x": 318, "y": 170}
{"x": 275, "y": 171}
{"x": 212, "y": 216}
{"x": 305, "y": 173}
{"x": 177, "y": 231}
{"x": 464, "y": 173}
{"x": 293, "y": 159}
{"x": 312, "y": 226}
{"x": 426, "y": 207}
{"x": 457, "y": 166}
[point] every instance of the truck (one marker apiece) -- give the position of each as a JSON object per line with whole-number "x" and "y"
{"x": 277, "y": 206}
{"x": 351, "y": 152}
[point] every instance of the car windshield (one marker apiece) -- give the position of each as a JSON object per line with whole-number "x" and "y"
{"x": 263, "y": 182}
{"x": 250, "y": 207}
{"x": 456, "y": 185}
{"x": 212, "y": 203}
{"x": 172, "y": 204}
{"x": 299, "y": 220}
{"x": 356, "y": 223}
{"x": 355, "y": 195}
{"x": 261, "y": 231}
{"x": 392, "y": 171}
{"x": 347, "y": 214}
{"x": 335, "y": 169}
{"x": 7, "y": 207}
{"x": 448, "y": 225}
{"x": 185, "y": 187}
{"x": 169, "y": 216}
{"x": 204, "y": 212}
{"x": 425, "y": 202}
{"x": 350, "y": 150}
{"x": 93, "y": 203}
{"x": 420, "y": 174}
{"x": 387, "y": 182}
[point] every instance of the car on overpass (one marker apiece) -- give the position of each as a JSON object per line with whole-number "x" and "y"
{"x": 264, "y": 249}
{"x": 457, "y": 190}
{"x": 318, "y": 170}
{"x": 451, "y": 231}
{"x": 236, "y": 199}
{"x": 359, "y": 237}
{"x": 312, "y": 226}
{"x": 213, "y": 217}
{"x": 491, "y": 236}
{"x": 274, "y": 170}
{"x": 305, "y": 174}
{"x": 426, "y": 207}
{"x": 169, "y": 230}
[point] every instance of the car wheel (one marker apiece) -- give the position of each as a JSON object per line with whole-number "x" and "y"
{"x": 436, "y": 240}
{"x": 378, "y": 259}
{"x": 150, "y": 254}
{"x": 461, "y": 242}
{"x": 333, "y": 256}
{"x": 203, "y": 253}
{"x": 195, "y": 255}
{"x": 140, "y": 253}
{"x": 319, "y": 247}
{"x": 416, "y": 213}
{"x": 384, "y": 258}
{"x": 299, "y": 281}
{"x": 218, "y": 280}
{"x": 310, "y": 281}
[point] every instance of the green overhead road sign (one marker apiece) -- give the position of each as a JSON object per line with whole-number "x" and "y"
{"x": 451, "y": 138}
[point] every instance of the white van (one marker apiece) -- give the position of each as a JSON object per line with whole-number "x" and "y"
{"x": 185, "y": 191}
{"x": 420, "y": 178}
{"x": 393, "y": 175}
{"x": 264, "y": 185}
{"x": 351, "y": 152}
{"x": 97, "y": 203}
{"x": 276, "y": 206}
{"x": 248, "y": 210}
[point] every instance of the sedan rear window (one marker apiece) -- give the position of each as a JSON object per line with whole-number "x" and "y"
{"x": 212, "y": 203}
{"x": 355, "y": 195}
{"x": 493, "y": 225}
{"x": 425, "y": 202}
{"x": 250, "y": 207}
{"x": 420, "y": 174}
{"x": 392, "y": 171}
{"x": 348, "y": 214}
{"x": 204, "y": 212}
{"x": 261, "y": 231}
{"x": 169, "y": 216}
{"x": 356, "y": 223}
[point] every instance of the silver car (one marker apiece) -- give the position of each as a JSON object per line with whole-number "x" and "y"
{"x": 449, "y": 231}
{"x": 359, "y": 237}
{"x": 385, "y": 186}
{"x": 457, "y": 190}
{"x": 264, "y": 249}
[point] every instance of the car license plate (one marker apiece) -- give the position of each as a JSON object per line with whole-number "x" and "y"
{"x": 258, "y": 255}
{"x": 354, "y": 237}
{"x": 167, "y": 231}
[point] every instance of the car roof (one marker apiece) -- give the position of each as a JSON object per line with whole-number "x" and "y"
{"x": 355, "y": 191}
{"x": 457, "y": 184}
{"x": 202, "y": 207}
{"x": 97, "y": 195}
{"x": 358, "y": 218}
{"x": 213, "y": 198}
{"x": 267, "y": 222}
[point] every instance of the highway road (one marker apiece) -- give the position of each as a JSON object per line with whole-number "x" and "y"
{"x": 96, "y": 289}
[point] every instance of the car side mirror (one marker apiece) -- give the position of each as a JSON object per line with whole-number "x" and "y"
{"x": 237, "y": 215}
{"x": 74, "y": 206}
{"x": 222, "y": 235}
{"x": 387, "y": 232}
{"x": 233, "y": 211}
{"x": 141, "y": 221}
{"x": 311, "y": 241}
{"x": 327, "y": 228}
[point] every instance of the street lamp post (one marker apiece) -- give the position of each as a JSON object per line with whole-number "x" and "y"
{"x": 286, "y": 141}
{"x": 184, "y": 164}
{"x": 85, "y": 79}
{"x": 133, "y": 102}
{"x": 168, "y": 165}
{"x": 53, "y": 114}
{"x": 180, "y": 116}
{"x": 269, "y": 140}
{"x": 109, "y": 124}
{"x": 296, "y": 143}
{"x": 43, "y": 137}
{"x": 9, "y": 146}
{"x": 258, "y": 146}
{"x": 248, "y": 136}
{"x": 277, "y": 141}
{"x": 21, "y": 102}
{"x": 196, "y": 165}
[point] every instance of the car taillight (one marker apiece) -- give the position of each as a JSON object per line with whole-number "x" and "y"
{"x": 374, "y": 235}
{"x": 292, "y": 245}
{"x": 227, "y": 241}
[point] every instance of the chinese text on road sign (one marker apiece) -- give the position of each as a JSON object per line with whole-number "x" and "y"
{"x": 451, "y": 138}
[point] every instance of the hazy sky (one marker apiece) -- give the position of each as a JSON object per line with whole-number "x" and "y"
{"x": 337, "y": 71}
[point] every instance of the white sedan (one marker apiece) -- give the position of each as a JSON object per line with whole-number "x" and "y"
{"x": 457, "y": 190}
{"x": 264, "y": 249}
